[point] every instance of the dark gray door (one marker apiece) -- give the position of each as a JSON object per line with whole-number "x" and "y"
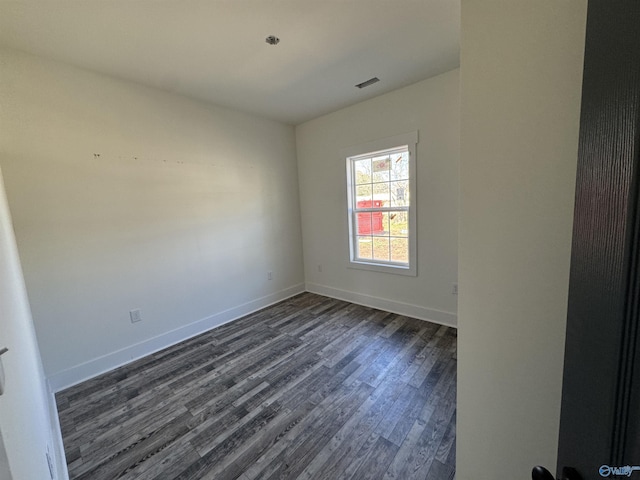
{"x": 599, "y": 426}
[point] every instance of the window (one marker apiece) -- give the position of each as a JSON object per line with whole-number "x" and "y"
{"x": 381, "y": 205}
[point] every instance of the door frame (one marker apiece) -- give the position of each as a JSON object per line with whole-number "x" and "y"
{"x": 599, "y": 395}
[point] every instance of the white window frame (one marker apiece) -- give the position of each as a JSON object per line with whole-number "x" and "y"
{"x": 410, "y": 140}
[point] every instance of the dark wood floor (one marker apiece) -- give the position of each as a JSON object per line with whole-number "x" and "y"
{"x": 311, "y": 388}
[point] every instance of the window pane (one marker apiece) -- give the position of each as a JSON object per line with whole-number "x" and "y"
{"x": 399, "y": 193}
{"x": 362, "y": 171}
{"x": 381, "y": 168}
{"x": 400, "y": 250}
{"x": 399, "y": 224}
{"x": 382, "y": 227}
{"x": 365, "y": 247}
{"x": 363, "y": 196}
{"x": 377, "y": 223}
{"x": 364, "y": 223}
{"x": 381, "y": 248}
{"x": 381, "y": 194}
{"x": 400, "y": 166}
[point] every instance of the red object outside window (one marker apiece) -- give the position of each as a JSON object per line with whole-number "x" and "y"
{"x": 370, "y": 223}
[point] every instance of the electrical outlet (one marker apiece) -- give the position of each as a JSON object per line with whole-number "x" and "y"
{"x": 319, "y": 268}
{"x": 269, "y": 275}
{"x": 454, "y": 290}
{"x": 135, "y": 315}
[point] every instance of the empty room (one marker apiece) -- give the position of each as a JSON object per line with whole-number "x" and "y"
{"x": 233, "y": 234}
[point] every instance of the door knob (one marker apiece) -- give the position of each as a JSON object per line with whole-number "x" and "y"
{"x": 541, "y": 473}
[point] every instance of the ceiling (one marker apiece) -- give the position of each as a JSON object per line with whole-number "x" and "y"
{"x": 215, "y": 50}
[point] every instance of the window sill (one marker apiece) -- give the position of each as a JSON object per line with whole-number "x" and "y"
{"x": 383, "y": 268}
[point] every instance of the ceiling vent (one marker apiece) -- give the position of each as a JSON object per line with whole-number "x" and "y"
{"x": 366, "y": 83}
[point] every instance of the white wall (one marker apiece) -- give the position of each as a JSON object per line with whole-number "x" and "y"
{"x": 432, "y": 108}
{"x": 521, "y": 73}
{"x": 5, "y": 471}
{"x": 25, "y": 419}
{"x": 182, "y": 214}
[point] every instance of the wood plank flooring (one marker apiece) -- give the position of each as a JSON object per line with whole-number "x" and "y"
{"x": 311, "y": 388}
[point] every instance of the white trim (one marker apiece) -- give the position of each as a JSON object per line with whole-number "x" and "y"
{"x": 383, "y": 145}
{"x": 380, "y": 144}
{"x": 60, "y": 460}
{"x": 436, "y": 316}
{"x": 79, "y": 373}
{"x": 398, "y": 269}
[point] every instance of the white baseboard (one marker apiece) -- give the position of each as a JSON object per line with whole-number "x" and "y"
{"x": 436, "y": 316}
{"x": 79, "y": 373}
